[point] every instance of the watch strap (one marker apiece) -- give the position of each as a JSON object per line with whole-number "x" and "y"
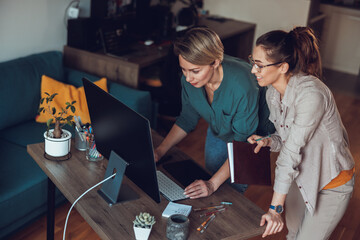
{"x": 278, "y": 208}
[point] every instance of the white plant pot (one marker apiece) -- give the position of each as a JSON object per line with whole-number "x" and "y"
{"x": 57, "y": 147}
{"x": 142, "y": 233}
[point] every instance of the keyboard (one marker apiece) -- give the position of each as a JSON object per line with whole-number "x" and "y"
{"x": 168, "y": 188}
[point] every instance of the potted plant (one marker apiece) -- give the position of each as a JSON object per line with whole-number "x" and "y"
{"x": 57, "y": 140}
{"x": 143, "y": 225}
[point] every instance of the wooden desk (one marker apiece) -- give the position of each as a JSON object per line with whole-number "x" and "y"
{"x": 75, "y": 176}
{"x": 237, "y": 37}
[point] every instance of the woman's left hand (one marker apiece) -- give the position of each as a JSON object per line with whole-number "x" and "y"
{"x": 199, "y": 188}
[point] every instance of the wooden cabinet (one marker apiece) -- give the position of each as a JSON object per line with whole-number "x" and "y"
{"x": 237, "y": 37}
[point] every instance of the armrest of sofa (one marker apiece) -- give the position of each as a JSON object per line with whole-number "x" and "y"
{"x": 138, "y": 100}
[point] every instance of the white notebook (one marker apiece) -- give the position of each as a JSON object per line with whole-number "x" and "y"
{"x": 176, "y": 208}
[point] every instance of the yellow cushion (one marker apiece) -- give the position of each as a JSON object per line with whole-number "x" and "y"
{"x": 67, "y": 93}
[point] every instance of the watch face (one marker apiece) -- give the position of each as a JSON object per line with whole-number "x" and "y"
{"x": 279, "y": 209}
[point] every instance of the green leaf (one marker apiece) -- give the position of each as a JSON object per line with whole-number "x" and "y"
{"x": 49, "y": 121}
{"x": 68, "y": 106}
{"x": 40, "y": 110}
{"x": 53, "y": 110}
{"x": 52, "y": 96}
{"x": 47, "y": 93}
{"x": 70, "y": 123}
{"x": 42, "y": 100}
{"x": 73, "y": 109}
{"x": 73, "y": 102}
{"x": 67, "y": 103}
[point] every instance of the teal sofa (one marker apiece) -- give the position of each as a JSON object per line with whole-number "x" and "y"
{"x": 23, "y": 185}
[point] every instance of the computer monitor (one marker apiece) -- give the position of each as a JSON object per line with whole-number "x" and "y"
{"x": 120, "y": 129}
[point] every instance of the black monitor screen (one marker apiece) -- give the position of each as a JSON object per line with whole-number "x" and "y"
{"x": 117, "y": 127}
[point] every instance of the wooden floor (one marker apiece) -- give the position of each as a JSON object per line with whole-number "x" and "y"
{"x": 348, "y": 228}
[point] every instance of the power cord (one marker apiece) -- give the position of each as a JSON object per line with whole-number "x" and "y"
{"x": 67, "y": 217}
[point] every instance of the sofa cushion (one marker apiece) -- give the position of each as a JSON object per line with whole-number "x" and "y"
{"x": 66, "y": 93}
{"x": 27, "y": 133}
{"x": 74, "y": 77}
{"x": 20, "y": 173}
{"x": 20, "y": 85}
{"x": 23, "y": 188}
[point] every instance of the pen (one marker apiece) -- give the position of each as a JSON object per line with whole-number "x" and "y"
{"x": 213, "y": 212}
{"x": 206, "y": 208}
{"x": 226, "y": 203}
{"x": 212, "y": 217}
{"x": 77, "y": 124}
{"x": 80, "y": 133}
{"x": 79, "y": 120}
{"x": 205, "y": 222}
{"x": 262, "y": 138}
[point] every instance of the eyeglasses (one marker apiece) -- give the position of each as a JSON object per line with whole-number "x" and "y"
{"x": 259, "y": 67}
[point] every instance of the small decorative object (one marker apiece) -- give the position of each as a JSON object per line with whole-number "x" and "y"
{"x": 57, "y": 140}
{"x": 177, "y": 227}
{"x": 143, "y": 225}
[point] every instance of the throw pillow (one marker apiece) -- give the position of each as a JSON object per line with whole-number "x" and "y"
{"x": 67, "y": 93}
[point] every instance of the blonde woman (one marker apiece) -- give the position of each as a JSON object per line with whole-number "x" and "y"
{"x": 221, "y": 90}
{"x": 314, "y": 170}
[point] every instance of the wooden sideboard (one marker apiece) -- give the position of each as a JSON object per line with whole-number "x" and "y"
{"x": 237, "y": 37}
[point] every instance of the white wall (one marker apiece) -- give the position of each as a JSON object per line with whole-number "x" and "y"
{"x": 341, "y": 37}
{"x": 31, "y": 26}
{"x": 267, "y": 14}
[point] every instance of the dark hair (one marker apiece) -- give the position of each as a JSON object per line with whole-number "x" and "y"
{"x": 199, "y": 46}
{"x": 299, "y": 48}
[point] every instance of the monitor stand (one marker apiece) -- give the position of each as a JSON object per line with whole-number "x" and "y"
{"x": 113, "y": 191}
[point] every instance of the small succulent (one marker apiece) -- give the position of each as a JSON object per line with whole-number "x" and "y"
{"x": 144, "y": 220}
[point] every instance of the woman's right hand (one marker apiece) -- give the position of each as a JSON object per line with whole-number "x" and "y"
{"x": 264, "y": 142}
{"x": 274, "y": 221}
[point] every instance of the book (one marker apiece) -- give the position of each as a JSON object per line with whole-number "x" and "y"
{"x": 176, "y": 208}
{"x": 247, "y": 167}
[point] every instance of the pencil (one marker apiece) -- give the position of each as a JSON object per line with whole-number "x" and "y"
{"x": 205, "y": 222}
{"x": 208, "y": 222}
{"x": 262, "y": 138}
{"x": 206, "y": 208}
{"x": 216, "y": 211}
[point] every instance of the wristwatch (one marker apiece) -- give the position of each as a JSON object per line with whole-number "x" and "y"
{"x": 279, "y": 208}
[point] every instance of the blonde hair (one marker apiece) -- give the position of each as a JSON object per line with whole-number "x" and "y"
{"x": 200, "y": 46}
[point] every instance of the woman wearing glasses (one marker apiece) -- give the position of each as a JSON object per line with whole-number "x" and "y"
{"x": 314, "y": 170}
{"x": 222, "y": 91}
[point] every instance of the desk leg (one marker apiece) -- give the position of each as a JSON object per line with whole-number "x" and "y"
{"x": 50, "y": 210}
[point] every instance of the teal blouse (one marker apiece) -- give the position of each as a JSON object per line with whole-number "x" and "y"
{"x": 236, "y": 107}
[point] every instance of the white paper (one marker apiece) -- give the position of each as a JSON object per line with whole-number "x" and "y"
{"x": 231, "y": 160}
{"x": 176, "y": 208}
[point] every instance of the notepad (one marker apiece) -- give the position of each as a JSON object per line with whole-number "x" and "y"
{"x": 176, "y": 208}
{"x": 247, "y": 167}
